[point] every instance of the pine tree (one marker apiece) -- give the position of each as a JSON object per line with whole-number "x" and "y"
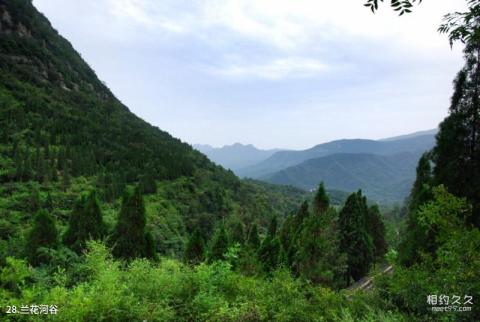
{"x": 269, "y": 252}
{"x": 195, "y": 249}
{"x": 317, "y": 256}
{"x": 376, "y": 229}
{"x": 86, "y": 222}
{"x": 43, "y": 234}
{"x": 321, "y": 202}
{"x": 130, "y": 239}
{"x": 355, "y": 241}
{"x": 219, "y": 245}
{"x": 457, "y": 153}
{"x": 414, "y": 239}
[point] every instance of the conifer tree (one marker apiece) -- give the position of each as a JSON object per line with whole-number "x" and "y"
{"x": 376, "y": 229}
{"x": 130, "y": 239}
{"x": 318, "y": 257}
{"x": 414, "y": 239}
{"x": 321, "y": 202}
{"x": 43, "y": 234}
{"x": 195, "y": 249}
{"x": 355, "y": 241}
{"x": 219, "y": 245}
{"x": 86, "y": 222}
{"x": 269, "y": 252}
{"x": 457, "y": 153}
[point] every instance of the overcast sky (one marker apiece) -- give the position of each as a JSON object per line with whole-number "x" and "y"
{"x": 277, "y": 74}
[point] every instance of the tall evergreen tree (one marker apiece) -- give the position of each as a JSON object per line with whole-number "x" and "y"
{"x": 130, "y": 239}
{"x": 321, "y": 202}
{"x": 376, "y": 229}
{"x": 269, "y": 252}
{"x": 86, "y": 222}
{"x": 457, "y": 152}
{"x": 414, "y": 239}
{"x": 355, "y": 241}
{"x": 195, "y": 249}
{"x": 219, "y": 244}
{"x": 43, "y": 234}
{"x": 318, "y": 257}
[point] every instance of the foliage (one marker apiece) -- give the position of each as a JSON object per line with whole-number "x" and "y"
{"x": 130, "y": 239}
{"x": 43, "y": 234}
{"x": 86, "y": 222}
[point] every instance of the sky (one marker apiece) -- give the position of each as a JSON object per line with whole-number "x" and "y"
{"x": 273, "y": 73}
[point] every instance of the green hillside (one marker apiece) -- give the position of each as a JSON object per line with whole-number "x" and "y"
{"x": 385, "y": 179}
{"x": 63, "y": 133}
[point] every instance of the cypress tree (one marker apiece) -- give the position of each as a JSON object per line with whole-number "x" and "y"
{"x": 457, "y": 153}
{"x": 219, "y": 245}
{"x": 321, "y": 202}
{"x": 355, "y": 241}
{"x": 130, "y": 237}
{"x": 43, "y": 234}
{"x": 376, "y": 229}
{"x": 269, "y": 252}
{"x": 195, "y": 250}
{"x": 414, "y": 239}
{"x": 86, "y": 222}
{"x": 317, "y": 256}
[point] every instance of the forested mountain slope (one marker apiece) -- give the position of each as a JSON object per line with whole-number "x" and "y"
{"x": 284, "y": 159}
{"x": 383, "y": 178}
{"x": 63, "y": 133}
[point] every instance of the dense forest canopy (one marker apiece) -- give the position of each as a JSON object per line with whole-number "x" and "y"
{"x": 107, "y": 218}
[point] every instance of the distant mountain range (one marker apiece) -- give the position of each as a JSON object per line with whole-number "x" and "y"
{"x": 284, "y": 159}
{"x": 384, "y": 169}
{"x": 236, "y": 156}
{"x": 384, "y": 178}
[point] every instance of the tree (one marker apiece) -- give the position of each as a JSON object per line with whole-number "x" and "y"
{"x": 355, "y": 241}
{"x": 269, "y": 252}
{"x": 422, "y": 187}
{"x": 195, "y": 250}
{"x": 457, "y": 152}
{"x": 130, "y": 238}
{"x": 376, "y": 229}
{"x": 421, "y": 193}
{"x": 401, "y": 6}
{"x": 86, "y": 223}
{"x": 219, "y": 245}
{"x": 321, "y": 202}
{"x": 318, "y": 257}
{"x": 43, "y": 234}
{"x": 237, "y": 232}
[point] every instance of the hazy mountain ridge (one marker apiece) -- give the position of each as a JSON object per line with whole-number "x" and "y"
{"x": 235, "y": 156}
{"x": 284, "y": 159}
{"x": 384, "y": 178}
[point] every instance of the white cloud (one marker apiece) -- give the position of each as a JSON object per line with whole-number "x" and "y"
{"x": 294, "y": 67}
